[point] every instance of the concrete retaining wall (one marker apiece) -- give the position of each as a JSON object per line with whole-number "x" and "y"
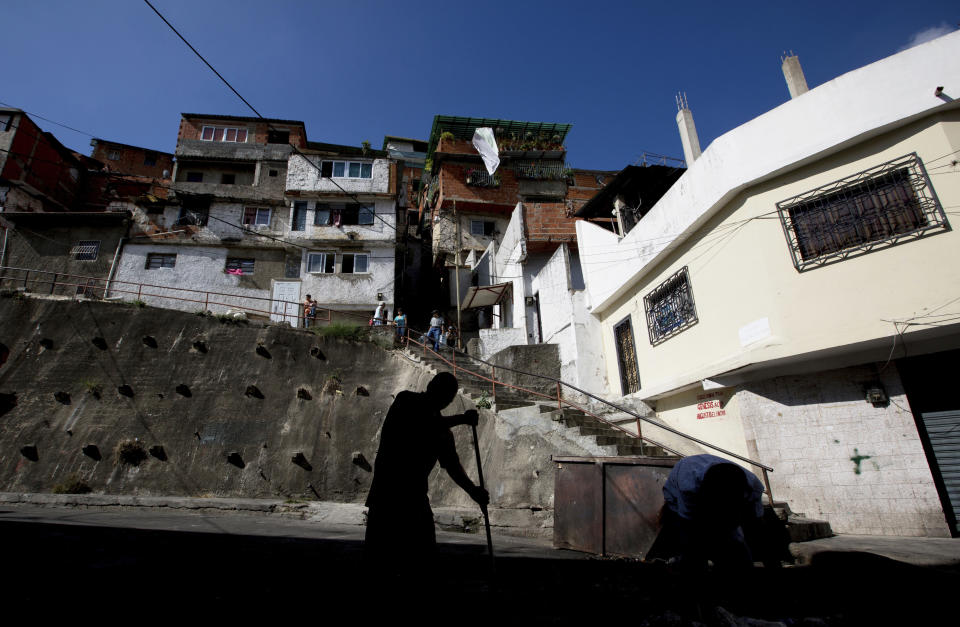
{"x": 197, "y": 406}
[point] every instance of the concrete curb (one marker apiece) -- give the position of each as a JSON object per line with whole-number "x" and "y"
{"x": 165, "y": 502}
{"x": 521, "y": 522}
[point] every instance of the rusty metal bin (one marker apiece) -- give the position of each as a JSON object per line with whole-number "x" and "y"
{"x": 608, "y": 505}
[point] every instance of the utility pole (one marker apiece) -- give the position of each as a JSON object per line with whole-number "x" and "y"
{"x": 456, "y": 220}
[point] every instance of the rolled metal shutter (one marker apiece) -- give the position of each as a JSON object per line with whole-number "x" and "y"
{"x": 943, "y": 429}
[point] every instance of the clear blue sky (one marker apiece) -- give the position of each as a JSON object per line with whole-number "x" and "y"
{"x": 356, "y": 70}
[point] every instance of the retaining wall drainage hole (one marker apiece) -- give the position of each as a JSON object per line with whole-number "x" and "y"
{"x": 304, "y": 394}
{"x": 263, "y": 352}
{"x": 183, "y": 390}
{"x": 316, "y": 352}
{"x": 125, "y": 390}
{"x": 62, "y": 397}
{"x": 235, "y": 459}
{"x": 157, "y": 451}
{"x": 254, "y": 391}
{"x": 200, "y": 346}
{"x": 92, "y": 451}
{"x": 30, "y": 452}
{"x": 100, "y": 343}
{"x": 362, "y": 391}
{"x": 7, "y": 402}
{"x": 46, "y": 343}
{"x": 150, "y": 341}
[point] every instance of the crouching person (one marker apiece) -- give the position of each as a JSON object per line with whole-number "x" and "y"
{"x": 713, "y": 511}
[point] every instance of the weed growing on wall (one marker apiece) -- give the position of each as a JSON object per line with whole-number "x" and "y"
{"x": 73, "y": 484}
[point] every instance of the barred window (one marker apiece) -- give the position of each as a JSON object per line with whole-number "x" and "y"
{"x": 237, "y": 265}
{"x": 161, "y": 260}
{"x": 875, "y": 208}
{"x": 670, "y": 307}
{"x": 86, "y": 250}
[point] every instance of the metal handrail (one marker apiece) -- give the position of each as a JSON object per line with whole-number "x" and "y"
{"x": 558, "y": 382}
{"x": 140, "y": 293}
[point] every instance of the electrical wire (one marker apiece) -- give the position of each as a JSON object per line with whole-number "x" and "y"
{"x": 37, "y": 115}
{"x": 252, "y": 108}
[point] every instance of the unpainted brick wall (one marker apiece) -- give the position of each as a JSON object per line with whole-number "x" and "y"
{"x": 132, "y": 159}
{"x": 191, "y": 128}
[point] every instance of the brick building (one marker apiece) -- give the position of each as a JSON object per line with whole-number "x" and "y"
{"x": 37, "y": 172}
{"x": 134, "y": 160}
{"x": 220, "y": 230}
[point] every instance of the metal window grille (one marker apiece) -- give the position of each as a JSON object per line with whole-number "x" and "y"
{"x": 627, "y": 357}
{"x": 540, "y": 170}
{"x": 245, "y": 266}
{"x": 196, "y": 216}
{"x": 670, "y": 307}
{"x": 481, "y": 178}
{"x": 161, "y": 260}
{"x": 86, "y": 250}
{"x": 875, "y": 208}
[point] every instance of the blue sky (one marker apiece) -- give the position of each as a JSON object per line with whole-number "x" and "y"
{"x": 356, "y": 70}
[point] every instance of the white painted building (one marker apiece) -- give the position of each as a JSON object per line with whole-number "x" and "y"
{"x": 793, "y": 296}
{"x": 342, "y": 213}
{"x": 544, "y": 304}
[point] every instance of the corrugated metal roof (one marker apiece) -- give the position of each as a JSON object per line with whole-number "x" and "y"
{"x": 463, "y": 128}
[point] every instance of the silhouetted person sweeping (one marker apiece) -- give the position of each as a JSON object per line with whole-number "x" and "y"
{"x": 414, "y": 437}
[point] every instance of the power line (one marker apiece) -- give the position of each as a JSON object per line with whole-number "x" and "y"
{"x": 37, "y": 115}
{"x": 251, "y": 107}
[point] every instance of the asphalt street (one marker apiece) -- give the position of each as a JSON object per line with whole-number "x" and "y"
{"x": 145, "y": 565}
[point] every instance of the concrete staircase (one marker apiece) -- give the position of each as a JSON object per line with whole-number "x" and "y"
{"x": 606, "y": 436}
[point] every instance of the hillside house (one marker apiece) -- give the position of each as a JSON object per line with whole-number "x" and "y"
{"x": 793, "y": 296}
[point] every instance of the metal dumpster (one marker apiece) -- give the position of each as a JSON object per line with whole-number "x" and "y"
{"x": 608, "y": 505}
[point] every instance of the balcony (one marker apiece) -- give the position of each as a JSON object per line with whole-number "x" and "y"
{"x": 540, "y": 170}
{"x": 481, "y": 178}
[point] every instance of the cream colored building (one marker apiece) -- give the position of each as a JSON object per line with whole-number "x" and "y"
{"x": 795, "y": 296}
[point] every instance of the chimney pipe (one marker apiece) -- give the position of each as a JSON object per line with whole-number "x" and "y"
{"x": 688, "y": 132}
{"x": 793, "y": 73}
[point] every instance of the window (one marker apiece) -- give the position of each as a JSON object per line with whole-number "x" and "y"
{"x": 161, "y": 260}
{"x": 353, "y": 263}
{"x": 256, "y": 216}
{"x": 274, "y": 173}
{"x": 323, "y": 215}
{"x": 238, "y": 265}
{"x": 150, "y": 159}
{"x": 339, "y": 214}
{"x": 321, "y": 262}
{"x": 626, "y": 357}
{"x": 299, "y": 218}
{"x": 278, "y": 137}
{"x": 194, "y": 177}
{"x": 346, "y": 169}
{"x": 114, "y": 155}
{"x": 5, "y": 119}
{"x": 86, "y": 250}
{"x": 223, "y": 134}
{"x": 228, "y": 179}
{"x": 196, "y": 216}
{"x": 875, "y": 208}
{"x": 670, "y": 307}
{"x": 482, "y": 227}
